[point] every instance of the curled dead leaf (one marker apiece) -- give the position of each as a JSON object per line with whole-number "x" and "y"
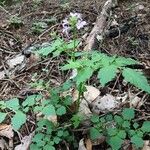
{"x": 6, "y": 130}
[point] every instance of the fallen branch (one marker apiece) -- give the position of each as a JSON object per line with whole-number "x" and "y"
{"x": 101, "y": 22}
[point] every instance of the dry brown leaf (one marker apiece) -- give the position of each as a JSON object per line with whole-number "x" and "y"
{"x": 88, "y": 143}
{"x": 6, "y": 130}
{"x": 25, "y": 142}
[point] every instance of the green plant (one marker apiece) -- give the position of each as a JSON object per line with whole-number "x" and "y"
{"x": 117, "y": 128}
{"x": 46, "y": 129}
{"x": 38, "y": 27}
{"x": 57, "y": 47}
{"x": 15, "y": 21}
{"x": 107, "y": 68}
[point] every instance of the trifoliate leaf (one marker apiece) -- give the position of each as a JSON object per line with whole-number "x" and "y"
{"x": 106, "y": 74}
{"x": 2, "y": 116}
{"x": 49, "y": 110}
{"x": 18, "y": 120}
{"x": 146, "y": 126}
{"x": 128, "y": 113}
{"x": 61, "y": 111}
{"x": 137, "y": 141}
{"x": 136, "y": 78}
{"x": 13, "y": 104}
{"x": 83, "y": 75}
{"x": 48, "y": 147}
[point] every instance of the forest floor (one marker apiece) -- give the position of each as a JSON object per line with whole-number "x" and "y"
{"x": 31, "y": 24}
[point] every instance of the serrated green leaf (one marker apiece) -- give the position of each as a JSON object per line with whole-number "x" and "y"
{"x": 106, "y": 74}
{"x": 136, "y": 78}
{"x": 128, "y": 113}
{"x": 122, "y": 134}
{"x": 49, "y": 49}
{"x": 60, "y": 133}
{"x": 18, "y": 120}
{"x": 83, "y": 75}
{"x": 61, "y": 111}
{"x": 118, "y": 120}
{"x": 2, "y": 116}
{"x": 13, "y": 104}
{"x": 57, "y": 139}
{"x": 126, "y": 124}
{"x": 94, "y": 133}
{"x": 146, "y": 126}
{"x": 115, "y": 142}
{"x": 48, "y": 147}
{"x": 122, "y": 61}
{"x": 95, "y": 119}
{"x": 137, "y": 141}
{"x": 112, "y": 131}
{"x": 72, "y": 65}
{"x": 49, "y": 110}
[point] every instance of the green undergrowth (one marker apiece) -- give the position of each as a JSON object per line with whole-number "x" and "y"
{"x": 55, "y": 117}
{"x": 50, "y": 134}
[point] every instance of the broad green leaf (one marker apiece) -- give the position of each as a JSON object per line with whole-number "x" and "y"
{"x": 29, "y": 101}
{"x": 73, "y": 44}
{"x": 48, "y": 147}
{"x": 128, "y": 113}
{"x": 49, "y": 110}
{"x": 136, "y": 78}
{"x": 115, "y": 142}
{"x": 137, "y": 141}
{"x": 112, "y": 131}
{"x": 94, "y": 133}
{"x": 131, "y": 132}
{"x": 122, "y": 134}
{"x": 60, "y": 133}
{"x": 13, "y": 104}
{"x": 57, "y": 139}
{"x": 46, "y": 50}
{"x": 72, "y": 65}
{"x": 106, "y": 74}
{"x": 146, "y": 126}
{"x": 2, "y": 116}
{"x": 118, "y": 120}
{"x": 83, "y": 75}
{"x": 61, "y": 111}
{"x": 122, "y": 61}
{"x": 126, "y": 124}
{"x": 34, "y": 147}
{"x": 95, "y": 119}
{"x": 18, "y": 120}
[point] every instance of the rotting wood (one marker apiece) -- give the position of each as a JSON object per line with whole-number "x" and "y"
{"x": 101, "y": 22}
